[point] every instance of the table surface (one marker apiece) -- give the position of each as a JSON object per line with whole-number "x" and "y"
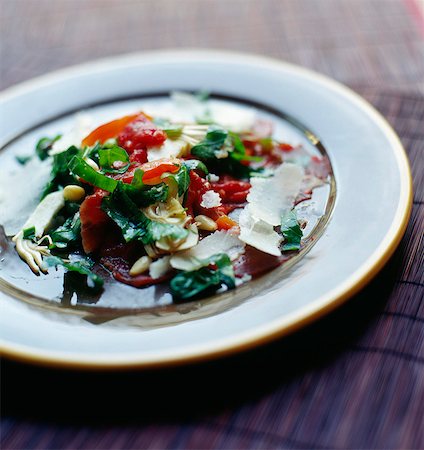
{"x": 355, "y": 379}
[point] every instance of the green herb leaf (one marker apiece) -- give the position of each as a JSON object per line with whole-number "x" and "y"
{"x": 134, "y": 224}
{"x": 22, "y": 159}
{"x": 182, "y": 179}
{"x": 67, "y": 234}
{"x": 148, "y": 195}
{"x": 195, "y": 164}
{"x": 110, "y": 155}
{"x": 188, "y": 285}
{"x": 214, "y": 141}
{"x": 79, "y": 167}
{"x": 81, "y": 265}
{"x": 29, "y": 233}
{"x": 217, "y": 139}
{"x": 143, "y": 195}
{"x": 60, "y": 175}
{"x": 239, "y": 150}
{"x": 44, "y": 145}
{"x": 291, "y": 231}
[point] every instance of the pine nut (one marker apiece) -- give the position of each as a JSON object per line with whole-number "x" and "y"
{"x": 205, "y": 223}
{"x": 140, "y": 266}
{"x": 73, "y": 193}
{"x": 92, "y": 164}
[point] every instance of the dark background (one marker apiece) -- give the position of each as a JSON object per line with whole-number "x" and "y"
{"x": 352, "y": 380}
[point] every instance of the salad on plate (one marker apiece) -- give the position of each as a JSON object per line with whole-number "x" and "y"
{"x": 201, "y": 203}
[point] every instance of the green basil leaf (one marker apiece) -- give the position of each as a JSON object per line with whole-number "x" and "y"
{"x": 44, "y": 145}
{"x": 291, "y": 231}
{"x": 148, "y": 195}
{"x": 217, "y": 271}
{"x": 80, "y": 265}
{"x": 214, "y": 140}
{"x": 182, "y": 179}
{"x": 60, "y": 174}
{"x": 109, "y": 156}
{"x": 22, "y": 159}
{"x": 79, "y": 167}
{"x": 195, "y": 164}
{"x": 67, "y": 234}
{"x": 134, "y": 224}
{"x": 29, "y": 233}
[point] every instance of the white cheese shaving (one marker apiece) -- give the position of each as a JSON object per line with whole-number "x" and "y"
{"x": 17, "y": 201}
{"x": 218, "y": 242}
{"x": 268, "y": 198}
{"x": 171, "y": 148}
{"x": 160, "y": 267}
{"x": 82, "y": 127}
{"x": 45, "y": 212}
{"x": 258, "y": 233}
{"x": 210, "y": 199}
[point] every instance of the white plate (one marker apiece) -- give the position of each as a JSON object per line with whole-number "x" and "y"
{"x": 370, "y": 213}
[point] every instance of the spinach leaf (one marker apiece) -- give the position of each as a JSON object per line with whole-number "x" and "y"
{"x": 67, "y": 234}
{"x": 44, "y": 145}
{"x": 60, "y": 174}
{"x": 80, "y": 265}
{"x": 181, "y": 179}
{"x": 134, "y": 224}
{"x": 144, "y": 195}
{"x": 217, "y": 139}
{"x": 29, "y": 233}
{"x": 22, "y": 159}
{"x": 79, "y": 167}
{"x": 214, "y": 140}
{"x": 217, "y": 271}
{"x": 195, "y": 164}
{"x": 291, "y": 231}
{"x": 109, "y": 155}
{"x": 239, "y": 150}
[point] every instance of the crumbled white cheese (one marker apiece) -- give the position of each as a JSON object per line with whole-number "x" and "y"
{"x": 258, "y": 233}
{"x": 210, "y": 199}
{"x": 160, "y": 267}
{"x": 244, "y": 279}
{"x": 82, "y": 127}
{"x": 218, "y": 242}
{"x": 268, "y": 198}
{"x": 221, "y": 154}
{"x": 213, "y": 178}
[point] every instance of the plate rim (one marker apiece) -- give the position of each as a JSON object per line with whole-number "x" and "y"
{"x": 281, "y": 326}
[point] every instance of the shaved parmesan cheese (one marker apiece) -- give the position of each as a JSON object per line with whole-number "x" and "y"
{"x": 171, "y": 148}
{"x": 16, "y": 200}
{"x": 218, "y": 242}
{"x": 258, "y": 233}
{"x": 160, "y": 267}
{"x": 82, "y": 127}
{"x": 210, "y": 199}
{"x": 232, "y": 117}
{"x": 268, "y": 198}
{"x": 45, "y": 212}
